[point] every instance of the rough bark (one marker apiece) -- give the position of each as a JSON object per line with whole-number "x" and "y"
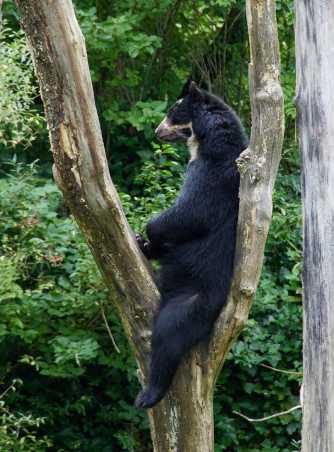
{"x": 183, "y": 421}
{"x": 315, "y": 101}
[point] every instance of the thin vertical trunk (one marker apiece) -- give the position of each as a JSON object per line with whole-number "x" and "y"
{"x": 315, "y": 101}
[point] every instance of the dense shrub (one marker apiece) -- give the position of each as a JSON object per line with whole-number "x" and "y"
{"x": 20, "y": 122}
{"x": 51, "y": 329}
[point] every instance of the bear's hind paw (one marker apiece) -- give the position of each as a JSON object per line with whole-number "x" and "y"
{"x": 148, "y": 398}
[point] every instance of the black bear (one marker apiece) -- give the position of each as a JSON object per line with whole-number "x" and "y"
{"x": 194, "y": 240}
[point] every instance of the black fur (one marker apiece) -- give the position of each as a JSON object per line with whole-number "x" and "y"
{"x": 194, "y": 240}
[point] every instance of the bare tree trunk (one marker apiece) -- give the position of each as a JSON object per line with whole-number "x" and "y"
{"x": 315, "y": 101}
{"x": 183, "y": 421}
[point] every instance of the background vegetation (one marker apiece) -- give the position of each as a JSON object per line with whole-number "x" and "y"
{"x": 64, "y": 385}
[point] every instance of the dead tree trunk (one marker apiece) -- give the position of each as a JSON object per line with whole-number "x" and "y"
{"x": 183, "y": 421}
{"x": 315, "y": 101}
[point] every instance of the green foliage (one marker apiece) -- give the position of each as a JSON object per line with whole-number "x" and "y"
{"x": 19, "y": 121}
{"x": 17, "y": 430}
{"x": 155, "y": 186}
{"x": 52, "y": 334}
{"x": 288, "y": 74}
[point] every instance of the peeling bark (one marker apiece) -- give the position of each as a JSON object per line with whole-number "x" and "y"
{"x": 183, "y": 421}
{"x": 315, "y": 100}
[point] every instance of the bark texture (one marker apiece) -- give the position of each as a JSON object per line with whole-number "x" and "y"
{"x": 183, "y": 421}
{"x": 315, "y": 102}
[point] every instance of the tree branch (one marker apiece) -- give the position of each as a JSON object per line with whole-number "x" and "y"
{"x": 263, "y": 419}
{"x": 258, "y": 166}
{"x": 282, "y": 371}
{"x": 108, "y": 328}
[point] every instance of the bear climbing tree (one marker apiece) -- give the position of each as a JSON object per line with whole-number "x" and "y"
{"x": 194, "y": 237}
{"x": 182, "y": 421}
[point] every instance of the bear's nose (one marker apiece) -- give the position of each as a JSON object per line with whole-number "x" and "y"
{"x": 163, "y": 129}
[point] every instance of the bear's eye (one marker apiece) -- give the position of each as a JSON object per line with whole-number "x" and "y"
{"x": 176, "y": 105}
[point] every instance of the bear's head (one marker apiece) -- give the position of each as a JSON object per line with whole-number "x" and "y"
{"x": 199, "y": 115}
{"x": 177, "y": 124}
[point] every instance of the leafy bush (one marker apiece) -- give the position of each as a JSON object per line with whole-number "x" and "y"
{"x": 52, "y": 333}
{"x": 18, "y": 431}
{"x": 20, "y": 122}
{"x": 155, "y": 186}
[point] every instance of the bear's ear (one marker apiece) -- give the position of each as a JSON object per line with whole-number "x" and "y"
{"x": 185, "y": 89}
{"x": 195, "y": 93}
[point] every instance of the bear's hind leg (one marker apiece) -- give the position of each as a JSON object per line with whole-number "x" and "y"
{"x": 178, "y": 327}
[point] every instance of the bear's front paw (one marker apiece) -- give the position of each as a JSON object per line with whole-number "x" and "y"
{"x": 144, "y": 245}
{"x": 140, "y": 240}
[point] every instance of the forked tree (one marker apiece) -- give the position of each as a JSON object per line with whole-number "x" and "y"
{"x": 315, "y": 102}
{"x": 183, "y": 421}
